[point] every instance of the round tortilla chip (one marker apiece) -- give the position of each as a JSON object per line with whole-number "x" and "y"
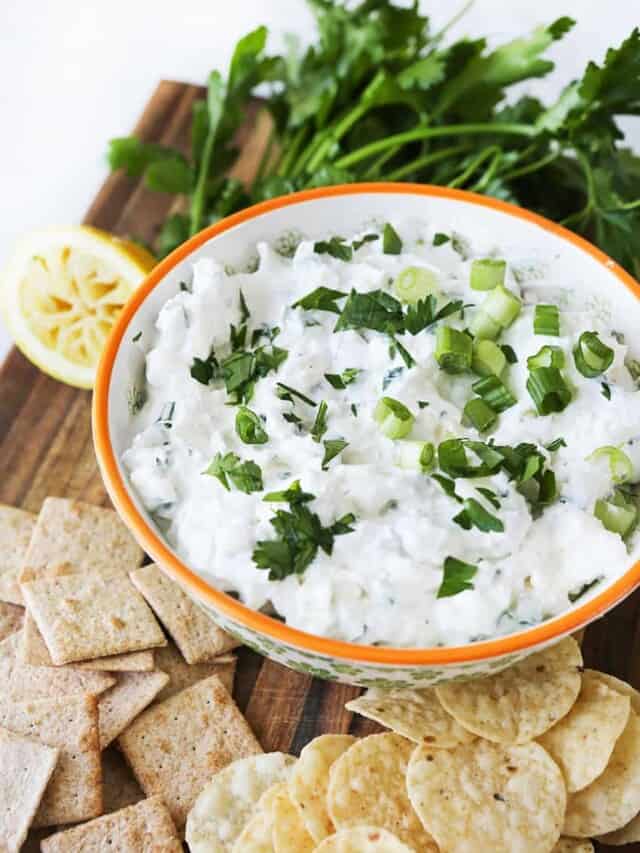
{"x": 363, "y": 839}
{"x": 485, "y": 796}
{"x": 289, "y": 832}
{"x": 520, "y": 703}
{"x": 582, "y": 742}
{"x": 414, "y": 714}
{"x": 622, "y": 687}
{"x": 627, "y": 835}
{"x": 226, "y": 804}
{"x": 309, "y": 781}
{"x": 367, "y": 787}
{"x": 257, "y": 835}
{"x": 613, "y": 799}
{"x": 573, "y": 845}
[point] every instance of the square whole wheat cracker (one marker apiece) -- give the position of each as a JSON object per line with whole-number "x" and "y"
{"x": 69, "y": 724}
{"x": 16, "y": 527}
{"x": 143, "y": 828}
{"x": 87, "y": 537}
{"x": 26, "y": 767}
{"x": 120, "y": 705}
{"x": 181, "y": 675}
{"x": 83, "y": 616}
{"x": 176, "y": 746}
{"x": 119, "y": 787}
{"x": 11, "y": 619}
{"x": 195, "y": 634}
{"x": 22, "y": 682}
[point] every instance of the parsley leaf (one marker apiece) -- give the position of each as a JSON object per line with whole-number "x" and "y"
{"x": 456, "y": 578}
{"x": 249, "y": 427}
{"x": 391, "y": 242}
{"x": 337, "y": 247}
{"x": 339, "y": 381}
{"x": 375, "y": 310}
{"x": 439, "y": 239}
{"x": 605, "y": 390}
{"x": 556, "y": 444}
{"x": 423, "y": 314}
{"x": 320, "y": 424}
{"x": 368, "y": 238}
{"x": 332, "y": 448}
{"x": 320, "y": 299}
{"x": 286, "y": 392}
{"x": 475, "y": 515}
{"x": 245, "y": 476}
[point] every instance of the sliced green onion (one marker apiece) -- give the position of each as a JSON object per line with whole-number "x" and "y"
{"x": 416, "y": 455}
{"x": 548, "y": 356}
{"x": 454, "y": 349}
{"x": 479, "y": 414}
{"x": 616, "y": 514}
{"x": 620, "y": 465}
{"x": 502, "y": 305}
{"x": 484, "y": 327}
{"x": 394, "y": 418}
{"x": 488, "y": 358}
{"x": 548, "y": 390}
{"x": 591, "y": 356}
{"x": 546, "y": 320}
{"x": 416, "y": 283}
{"x": 487, "y": 273}
{"x": 494, "y": 393}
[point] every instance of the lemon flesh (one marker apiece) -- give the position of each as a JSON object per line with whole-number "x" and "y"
{"x": 62, "y": 292}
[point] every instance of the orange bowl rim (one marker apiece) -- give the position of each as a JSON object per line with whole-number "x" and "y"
{"x": 266, "y": 625}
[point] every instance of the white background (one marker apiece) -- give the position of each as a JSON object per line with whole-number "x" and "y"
{"x": 73, "y": 74}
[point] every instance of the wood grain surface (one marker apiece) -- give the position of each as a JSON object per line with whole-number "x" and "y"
{"x": 46, "y": 449}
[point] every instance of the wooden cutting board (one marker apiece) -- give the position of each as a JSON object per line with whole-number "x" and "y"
{"x": 46, "y": 449}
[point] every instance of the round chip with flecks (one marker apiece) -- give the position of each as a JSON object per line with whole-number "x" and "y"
{"x": 257, "y": 836}
{"x": 518, "y": 704}
{"x": 363, "y": 839}
{"x": 309, "y": 781}
{"x": 613, "y": 799}
{"x": 367, "y": 787}
{"x": 485, "y": 796}
{"x": 289, "y": 832}
{"x": 582, "y": 742}
{"x": 573, "y": 845}
{"x": 414, "y": 714}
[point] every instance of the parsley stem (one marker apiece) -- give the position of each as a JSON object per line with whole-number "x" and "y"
{"x": 317, "y": 152}
{"x": 532, "y": 167}
{"x": 285, "y": 165}
{"x": 422, "y": 162}
{"x": 464, "y": 176}
{"x": 373, "y": 171}
{"x": 265, "y": 157}
{"x": 430, "y": 132}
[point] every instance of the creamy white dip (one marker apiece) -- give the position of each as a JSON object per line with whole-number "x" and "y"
{"x": 380, "y": 583}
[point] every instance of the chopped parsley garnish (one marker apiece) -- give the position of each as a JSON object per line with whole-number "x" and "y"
{"x": 245, "y": 476}
{"x": 286, "y": 392}
{"x": 391, "y": 242}
{"x": 354, "y": 410}
{"x": 136, "y": 338}
{"x": 605, "y": 390}
{"x": 489, "y": 495}
{"x": 166, "y": 415}
{"x": 367, "y": 238}
{"x": 439, "y": 239}
{"x": 337, "y": 247}
{"x": 339, "y": 381}
{"x": 205, "y": 370}
{"x": 136, "y": 398}
{"x": 244, "y": 310}
{"x": 250, "y": 427}
{"x": 474, "y": 514}
{"x": 292, "y": 418}
{"x": 423, "y": 314}
{"x": 509, "y": 353}
{"x": 320, "y": 299}
{"x": 299, "y": 535}
{"x": 556, "y": 444}
{"x": 574, "y": 595}
{"x": 320, "y": 424}
{"x": 404, "y": 353}
{"x": 332, "y": 448}
{"x": 390, "y": 375}
{"x": 422, "y": 404}
{"x": 456, "y": 578}
{"x": 448, "y": 486}
{"x": 376, "y": 310}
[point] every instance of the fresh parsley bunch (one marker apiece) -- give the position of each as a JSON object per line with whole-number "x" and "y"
{"x": 379, "y": 96}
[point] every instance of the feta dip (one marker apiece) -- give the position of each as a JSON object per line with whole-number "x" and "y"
{"x": 394, "y": 437}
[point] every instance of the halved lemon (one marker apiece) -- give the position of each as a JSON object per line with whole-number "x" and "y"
{"x": 62, "y": 292}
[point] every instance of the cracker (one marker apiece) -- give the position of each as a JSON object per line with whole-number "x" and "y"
{"x": 195, "y": 634}
{"x": 309, "y": 781}
{"x": 613, "y": 799}
{"x": 27, "y": 767}
{"x": 257, "y": 835}
{"x": 16, "y": 527}
{"x": 226, "y": 804}
{"x": 519, "y": 703}
{"x": 175, "y": 746}
{"x": 130, "y": 662}
{"x": 414, "y": 714}
{"x": 86, "y": 537}
{"x": 120, "y": 705}
{"x": 119, "y": 787}
{"x": 363, "y": 839}
{"x": 289, "y": 831}
{"x": 11, "y": 619}
{"x": 181, "y": 675}
{"x": 487, "y": 796}
{"x": 89, "y": 616}
{"x": 10, "y": 647}
{"x": 367, "y": 786}
{"x": 22, "y": 682}
{"x": 573, "y": 845}
{"x": 144, "y": 828}
{"x": 69, "y": 724}
{"x": 582, "y": 742}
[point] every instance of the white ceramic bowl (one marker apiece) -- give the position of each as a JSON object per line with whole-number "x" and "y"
{"x": 577, "y": 265}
